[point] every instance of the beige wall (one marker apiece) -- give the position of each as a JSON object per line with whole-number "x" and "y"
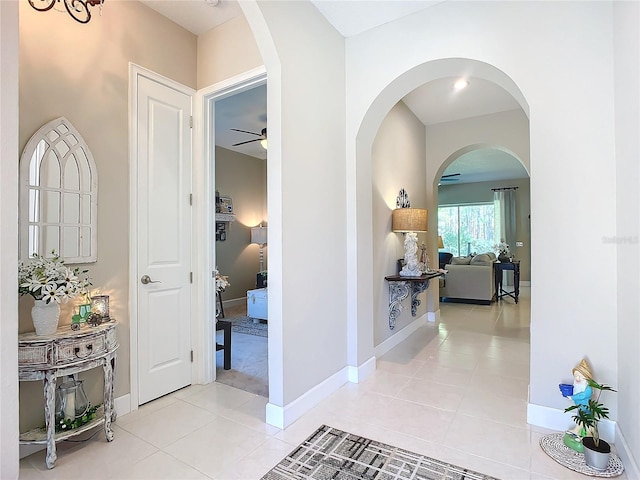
{"x": 229, "y": 47}
{"x": 82, "y": 72}
{"x": 481, "y": 192}
{"x": 244, "y": 179}
{"x": 398, "y": 161}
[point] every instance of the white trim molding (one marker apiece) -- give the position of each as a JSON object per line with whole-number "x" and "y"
{"x": 402, "y": 335}
{"x": 361, "y": 373}
{"x": 556, "y": 419}
{"x": 282, "y": 417}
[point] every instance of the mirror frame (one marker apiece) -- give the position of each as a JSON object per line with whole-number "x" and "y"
{"x": 65, "y": 132}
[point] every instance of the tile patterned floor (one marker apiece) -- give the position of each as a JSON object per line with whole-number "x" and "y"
{"x": 455, "y": 391}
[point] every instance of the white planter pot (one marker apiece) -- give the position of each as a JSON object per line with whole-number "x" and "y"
{"x": 45, "y": 317}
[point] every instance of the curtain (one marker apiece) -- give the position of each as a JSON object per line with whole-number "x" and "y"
{"x": 504, "y": 202}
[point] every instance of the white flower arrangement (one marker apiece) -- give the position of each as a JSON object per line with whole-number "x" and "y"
{"x": 49, "y": 279}
{"x": 222, "y": 281}
{"x": 502, "y": 248}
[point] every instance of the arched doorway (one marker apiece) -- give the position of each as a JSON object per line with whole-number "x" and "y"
{"x": 369, "y": 247}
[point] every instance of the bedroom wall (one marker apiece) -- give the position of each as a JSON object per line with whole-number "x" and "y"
{"x": 244, "y": 179}
{"x": 82, "y": 72}
{"x": 398, "y": 161}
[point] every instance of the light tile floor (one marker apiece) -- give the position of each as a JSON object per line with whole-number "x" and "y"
{"x": 456, "y": 391}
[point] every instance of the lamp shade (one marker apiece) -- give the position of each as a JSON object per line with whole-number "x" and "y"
{"x": 409, "y": 220}
{"x": 440, "y": 242}
{"x": 259, "y": 235}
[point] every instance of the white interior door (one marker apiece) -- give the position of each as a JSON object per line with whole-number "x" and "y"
{"x": 164, "y": 239}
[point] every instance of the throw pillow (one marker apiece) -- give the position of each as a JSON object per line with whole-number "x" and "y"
{"x": 482, "y": 259}
{"x": 460, "y": 260}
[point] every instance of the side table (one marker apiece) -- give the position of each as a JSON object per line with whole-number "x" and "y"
{"x": 513, "y": 266}
{"x": 67, "y": 352}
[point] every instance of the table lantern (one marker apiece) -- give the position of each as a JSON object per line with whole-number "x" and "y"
{"x": 71, "y": 400}
{"x": 100, "y": 305}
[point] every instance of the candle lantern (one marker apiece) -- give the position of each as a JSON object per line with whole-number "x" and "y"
{"x": 71, "y": 401}
{"x": 100, "y": 305}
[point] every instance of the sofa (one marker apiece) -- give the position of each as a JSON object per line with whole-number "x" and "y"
{"x": 470, "y": 279}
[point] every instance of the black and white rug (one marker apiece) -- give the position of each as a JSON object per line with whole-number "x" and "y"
{"x": 249, "y": 325}
{"x": 333, "y": 454}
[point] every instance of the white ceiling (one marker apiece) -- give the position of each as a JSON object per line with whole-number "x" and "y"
{"x": 434, "y": 102}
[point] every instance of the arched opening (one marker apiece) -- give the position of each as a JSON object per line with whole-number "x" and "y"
{"x": 370, "y": 250}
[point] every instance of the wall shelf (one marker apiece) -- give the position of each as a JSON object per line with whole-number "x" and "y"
{"x": 225, "y": 217}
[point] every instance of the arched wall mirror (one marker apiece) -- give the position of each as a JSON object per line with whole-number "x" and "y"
{"x": 58, "y": 195}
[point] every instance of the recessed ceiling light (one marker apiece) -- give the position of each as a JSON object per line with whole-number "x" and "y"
{"x": 460, "y": 84}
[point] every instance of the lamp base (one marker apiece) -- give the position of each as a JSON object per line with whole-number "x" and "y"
{"x": 411, "y": 266}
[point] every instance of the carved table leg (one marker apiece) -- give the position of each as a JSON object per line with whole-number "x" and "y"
{"x": 108, "y": 367}
{"x": 398, "y": 291}
{"x": 50, "y": 416}
{"x": 416, "y": 289}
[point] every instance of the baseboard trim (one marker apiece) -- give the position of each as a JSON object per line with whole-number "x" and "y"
{"x": 525, "y": 283}
{"x": 361, "y": 373}
{"x": 623, "y": 449}
{"x": 121, "y": 404}
{"x": 234, "y": 302}
{"x": 282, "y": 417}
{"x": 398, "y": 337}
{"x": 556, "y": 419}
{"x": 433, "y": 317}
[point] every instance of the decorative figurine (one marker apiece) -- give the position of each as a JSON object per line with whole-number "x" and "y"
{"x": 94, "y": 319}
{"x": 580, "y": 394}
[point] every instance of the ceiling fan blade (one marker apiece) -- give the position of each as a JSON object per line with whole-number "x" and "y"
{"x": 248, "y": 141}
{"x": 448, "y": 179}
{"x": 451, "y": 175}
{"x": 244, "y": 131}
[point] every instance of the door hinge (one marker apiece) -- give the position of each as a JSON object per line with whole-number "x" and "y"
{"x": 190, "y": 277}
{"x": 191, "y": 199}
{"x": 191, "y": 121}
{"x": 191, "y": 356}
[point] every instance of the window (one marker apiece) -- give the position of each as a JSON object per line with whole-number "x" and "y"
{"x": 467, "y": 229}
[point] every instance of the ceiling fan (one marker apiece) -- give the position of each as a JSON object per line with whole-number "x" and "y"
{"x": 449, "y": 178}
{"x": 262, "y": 137}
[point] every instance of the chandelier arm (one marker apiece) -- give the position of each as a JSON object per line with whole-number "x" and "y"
{"x": 48, "y": 4}
{"x": 78, "y": 9}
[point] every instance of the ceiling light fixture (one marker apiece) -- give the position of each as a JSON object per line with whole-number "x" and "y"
{"x": 78, "y": 9}
{"x": 460, "y": 84}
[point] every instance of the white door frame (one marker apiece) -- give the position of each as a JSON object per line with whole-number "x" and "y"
{"x": 203, "y": 234}
{"x": 134, "y": 72}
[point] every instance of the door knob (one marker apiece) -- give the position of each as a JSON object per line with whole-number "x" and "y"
{"x": 146, "y": 279}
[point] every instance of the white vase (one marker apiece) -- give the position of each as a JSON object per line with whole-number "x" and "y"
{"x": 45, "y": 317}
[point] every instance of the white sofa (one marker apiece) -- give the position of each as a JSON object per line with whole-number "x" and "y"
{"x": 470, "y": 279}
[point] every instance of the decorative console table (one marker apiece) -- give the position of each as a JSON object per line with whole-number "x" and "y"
{"x": 399, "y": 288}
{"x": 67, "y": 352}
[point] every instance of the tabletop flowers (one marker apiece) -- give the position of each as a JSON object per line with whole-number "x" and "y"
{"x": 50, "y": 280}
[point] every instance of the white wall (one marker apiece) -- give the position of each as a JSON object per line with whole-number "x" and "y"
{"x": 9, "y": 240}
{"x": 566, "y": 84}
{"x": 627, "y": 76}
{"x": 398, "y": 161}
{"x": 304, "y": 58}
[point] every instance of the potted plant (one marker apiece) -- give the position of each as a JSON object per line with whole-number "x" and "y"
{"x": 49, "y": 281}
{"x": 596, "y": 450}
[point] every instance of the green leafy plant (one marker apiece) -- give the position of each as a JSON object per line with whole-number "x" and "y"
{"x": 589, "y": 417}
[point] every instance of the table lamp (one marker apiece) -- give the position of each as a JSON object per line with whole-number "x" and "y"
{"x": 440, "y": 242}
{"x": 259, "y": 236}
{"x": 409, "y": 221}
